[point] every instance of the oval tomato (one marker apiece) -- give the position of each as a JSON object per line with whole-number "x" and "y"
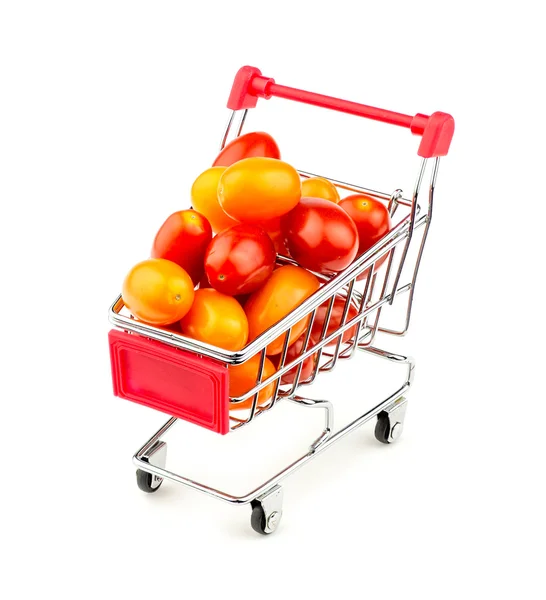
{"x": 372, "y": 221}
{"x": 158, "y": 291}
{"x": 216, "y": 319}
{"x": 320, "y": 235}
{"x": 286, "y": 289}
{"x": 309, "y": 363}
{"x": 204, "y": 198}
{"x": 183, "y": 239}
{"x": 254, "y": 190}
{"x": 318, "y": 187}
{"x": 242, "y": 378}
{"x": 248, "y": 145}
{"x": 239, "y": 259}
{"x": 335, "y": 320}
{"x": 370, "y": 216}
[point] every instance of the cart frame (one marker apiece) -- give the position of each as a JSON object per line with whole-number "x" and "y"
{"x": 378, "y": 289}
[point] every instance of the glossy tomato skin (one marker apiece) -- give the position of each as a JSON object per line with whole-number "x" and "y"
{"x": 255, "y": 190}
{"x": 216, "y": 319}
{"x": 204, "y": 197}
{"x": 370, "y": 216}
{"x": 249, "y": 145}
{"x": 286, "y": 289}
{"x": 372, "y": 221}
{"x": 318, "y": 187}
{"x": 242, "y": 378}
{"x": 335, "y": 320}
{"x": 320, "y": 235}
{"x": 158, "y": 291}
{"x": 239, "y": 259}
{"x": 183, "y": 238}
{"x": 309, "y": 363}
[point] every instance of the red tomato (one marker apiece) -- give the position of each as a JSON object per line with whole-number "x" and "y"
{"x": 335, "y": 320}
{"x": 372, "y": 221}
{"x": 320, "y": 235}
{"x": 183, "y": 239}
{"x": 371, "y": 218}
{"x": 239, "y": 259}
{"x": 292, "y": 353}
{"x": 247, "y": 146}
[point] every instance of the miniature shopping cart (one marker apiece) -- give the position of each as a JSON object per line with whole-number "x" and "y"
{"x": 189, "y": 380}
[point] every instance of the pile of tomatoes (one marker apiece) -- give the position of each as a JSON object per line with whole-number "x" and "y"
{"x": 213, "y": 273}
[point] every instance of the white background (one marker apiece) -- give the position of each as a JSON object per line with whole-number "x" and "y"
{"x": 108, "y": 111}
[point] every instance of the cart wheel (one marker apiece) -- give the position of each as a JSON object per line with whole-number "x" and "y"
{"x": 267, "y": 511}
{"x": 259, "y": 522}
{"x": 382, "y": 428}
{"x": 384, "y": 431}
{"x": 257, "y": 518}
{"x": 148, "y": 482}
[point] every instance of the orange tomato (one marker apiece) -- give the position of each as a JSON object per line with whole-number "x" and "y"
{"x": 258, "y": 189}
{"x": 216, "y": 319}
{"x": 318, "y": 187}
{"x": 286, "y": 289}
{"x": 243, "y": 377}
{"x": 158, "y": 291}
{"x": 204, "y": 197}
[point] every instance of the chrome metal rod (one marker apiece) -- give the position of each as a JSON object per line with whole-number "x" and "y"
{"x": 350, "y": 187}
{"x": 412, "y": 227}
{"x": 227, "y": 130}
{"x": 330, "y": 288}
{"x": 411, "y": 285}
{"x": 246, "y": 498}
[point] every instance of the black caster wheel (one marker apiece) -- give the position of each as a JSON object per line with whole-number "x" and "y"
{"x": 260, "y": 523}
{"x": 385, "y": 431}
{"x": 382, "y": 428}
{"x": 148, "y": 482}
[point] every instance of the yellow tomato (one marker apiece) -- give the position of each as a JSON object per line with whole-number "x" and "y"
{"x": 318, "y": 187}
{"x": 242, "y": 378}
{"x": 204, "y": 197}
{"x": 158, "y": 291}
{"x": 286, "y": 289}
{"x": 258, "y": 189}
{"x": 216, "y": 319}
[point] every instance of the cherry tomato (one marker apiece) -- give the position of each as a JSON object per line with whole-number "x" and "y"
{"x": 370, "y": 216}
{"x": 158, "y": 291}
{"x": 273, "y": 229}
{"x": 320, "y": 235}
{"x": 279, "y": 242}
{"x": 254, "y": 190}
{"x": 204, "y": 197}
{"x": 216, "y": 319}
{"x": 292, "y": 353}
{"x": 372, "y": 221}
{"x": 247, "y": 146}
{"x": 239, "y": 259}
{"x": 183, "y": 239}
{"x": 335, "y": 320}
{"x": 242, "y": 378}
{"x": 286, "y": 289}
{"x": 318, "y": 187}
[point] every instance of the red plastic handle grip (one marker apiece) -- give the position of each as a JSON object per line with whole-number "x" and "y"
{"x": 436, "y": 130}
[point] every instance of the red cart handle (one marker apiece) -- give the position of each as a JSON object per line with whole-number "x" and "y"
{"x": 436, "y": 130}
